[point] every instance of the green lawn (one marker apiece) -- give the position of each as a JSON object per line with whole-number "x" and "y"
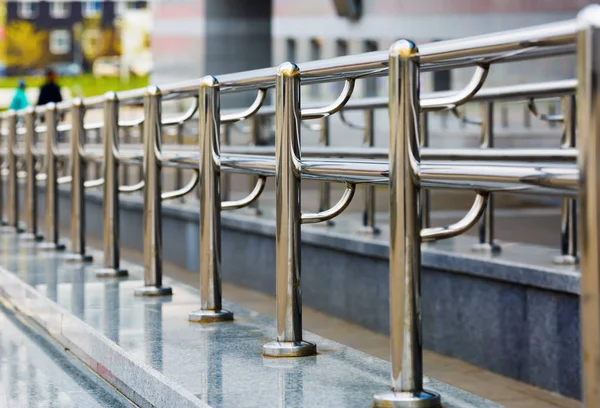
{"x": 85, "y": 85}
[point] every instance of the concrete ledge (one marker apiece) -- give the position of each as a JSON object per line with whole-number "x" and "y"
{"x": 149, "y": 351}
{"x": 515, "y": 313}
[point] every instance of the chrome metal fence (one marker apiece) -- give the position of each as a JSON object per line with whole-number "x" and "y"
{"x": 408, "y": 167}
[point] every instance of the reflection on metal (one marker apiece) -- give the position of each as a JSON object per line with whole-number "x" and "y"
{"x": 289, "y": 341}
{"x": 211, "y": 308}
{"x": 486, "y": 226}
{"x": 51, "y": 217}
{"x": 405, "y": 239}
{"x": 31, "y": 190}
{"x": 409, "y": 168}
{"x": 13, "y": 192}
{"x": 568, "y": 231}
{"x": 78, "y": 167}
{"x": 588, "y": 100}
{"x": 153, "y": 258}
{"x": 112, "y": 259}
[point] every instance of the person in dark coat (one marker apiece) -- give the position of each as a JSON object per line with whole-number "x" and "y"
{"x": 50, "y": 91}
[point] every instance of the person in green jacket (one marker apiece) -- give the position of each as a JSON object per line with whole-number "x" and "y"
{"x": 19, "y": 101}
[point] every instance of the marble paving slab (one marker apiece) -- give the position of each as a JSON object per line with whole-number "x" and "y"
{"x": 149, "y": 351}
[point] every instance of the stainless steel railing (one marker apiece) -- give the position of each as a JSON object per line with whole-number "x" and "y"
{"x": 408, "y": 167}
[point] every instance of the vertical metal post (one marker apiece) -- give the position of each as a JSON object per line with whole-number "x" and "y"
{"x": 405, "y": 238}
{"x": 110, "y": 226}
{"x": 225, "y": 177}
{"x": 568, "y": 230}
{"x": 324, "y": 187}
{"x": 256, "y": 125}
{"x": 153, "y": 258}
{"x": 178, "y": 170}
{"x": 288, "y": 218}
{"x": 78, "y": 167}
{"x": 126, "y": 167}
{"x": 368, "y": 221}
{"x": 588, "y": 126}
{"x": 210, "y": 206}
{"x": 13, "y": 179}
{"x": 31, "y": 196}
{"x": 52, "y": 238}
{"x": 486, "y": 225}
{"x": 425, "y": 199}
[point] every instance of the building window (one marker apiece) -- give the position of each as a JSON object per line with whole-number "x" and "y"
{"x": 60, "y": 42}
{"x": 28, "y": 9}
{"x": 370, "y": 83}
{"x": 315, "y": 54}
{"x": 341, "y": 48}
{"x": 92, "y": 8}
{"x": 60, "y": 9}
{"x": 290, "y": 50}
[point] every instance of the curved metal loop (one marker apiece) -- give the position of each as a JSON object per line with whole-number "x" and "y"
{"x": 351, "y": 125}
{"x": 184, "y": 190}
{"x": 249, "y": 199}
{"x": 543, "y": 116}
{"x": 335, "y": 106}
{"x": 183, "y": 118}
{"x": 452, "y": 230}
{"x": 132, "y": 188}
{"x": 93, "y": 183}
{"x": 64, "y": 180}
{"x": 239, "y": 116}
{"x": 465, "y": 119}
{"x": 452, "y": 100}
{"x": 331, "y": 213}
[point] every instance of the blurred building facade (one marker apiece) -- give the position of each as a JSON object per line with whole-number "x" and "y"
{"x": 192, "y": 38}
{"x": 67, "y": 34}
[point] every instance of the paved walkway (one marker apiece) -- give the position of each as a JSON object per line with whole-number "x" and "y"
{"x": 508, "y": 392}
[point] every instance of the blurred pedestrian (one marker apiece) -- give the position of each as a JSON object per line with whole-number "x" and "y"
{"x": 50, "y": 91}
{"x": 19, "y": 101}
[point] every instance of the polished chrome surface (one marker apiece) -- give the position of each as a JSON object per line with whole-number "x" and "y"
{"x": 78, "y": 168}
{"x": 31, "y": 190}
{"x": 112, "y": 257}
{"x": 152, "y": 224}
{"x": 588, "y": 126}
{"x": 289, "y": 341}
{"x": 405, "y": 237}
{"x": 51, "y": 214}
{"x": 13, "y": 192}
{"x": 409, "y": 167}
{"x": 486, "y": 226}
{"x": 211, "y": 308}
{"x": 568, "y": 232}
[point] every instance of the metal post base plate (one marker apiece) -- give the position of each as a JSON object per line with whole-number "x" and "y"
{"x": 423, "y": 399}
{"x": 51, "y": 246}
{"x": 210, "y": 316}
{"x": 566, "y": 260}
{"x": 487, "y": 248}
{"x": 153, "y": 291}
{"x": 289, "y": 349}
{"x": 29, "y": 236}
{"x": 78, "y": 258}
{"x": 111, "y": 273}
